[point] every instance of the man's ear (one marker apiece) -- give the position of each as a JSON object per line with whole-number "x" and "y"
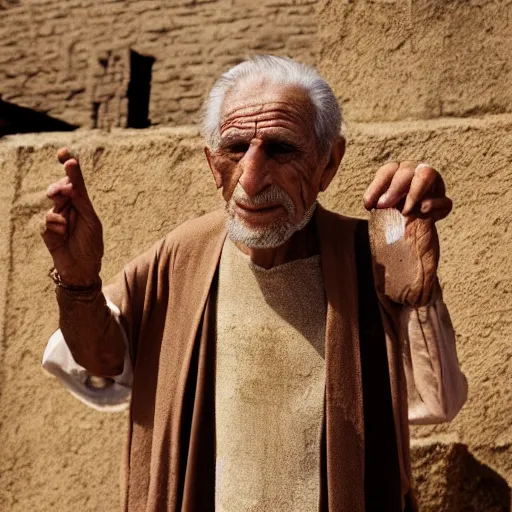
{"x": 211, "y": 162}
{"x": 335, "y": 157}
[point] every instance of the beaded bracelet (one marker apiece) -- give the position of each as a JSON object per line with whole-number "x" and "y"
{"x": 75, "y": 289}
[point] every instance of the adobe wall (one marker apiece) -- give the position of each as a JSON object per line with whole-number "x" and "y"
{"x": 390, "y": 62}
{"x": 387, "y": 59}
{"x": 57, "y": 454}
{"x": 394, "y": 60}
{"x": 49, "y": 50}
{"x": 414, "y": 59}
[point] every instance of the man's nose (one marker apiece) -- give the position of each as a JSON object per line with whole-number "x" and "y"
{"x": 255, "y": 175}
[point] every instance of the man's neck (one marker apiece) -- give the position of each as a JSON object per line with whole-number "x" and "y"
{"x": 302, "y": 244}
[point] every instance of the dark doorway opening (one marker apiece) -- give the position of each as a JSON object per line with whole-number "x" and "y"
{"x": 139, "y": 90}
{"x": 95, "y": 113}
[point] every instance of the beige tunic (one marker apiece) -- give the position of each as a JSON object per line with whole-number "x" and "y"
{"x": 270, "y": 381}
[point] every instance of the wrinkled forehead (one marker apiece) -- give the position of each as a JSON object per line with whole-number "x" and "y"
{"x": 257, "y": 101}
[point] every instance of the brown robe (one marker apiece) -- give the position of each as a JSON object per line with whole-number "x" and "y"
{"x": 167, "y": 299}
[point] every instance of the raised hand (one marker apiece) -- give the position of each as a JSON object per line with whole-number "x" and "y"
{"x": 408, "y": 198}
{"x": 72, "y": 231}
{"x": 413, "y": 188}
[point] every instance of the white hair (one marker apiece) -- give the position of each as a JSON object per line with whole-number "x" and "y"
{"x": 277, "y": 70}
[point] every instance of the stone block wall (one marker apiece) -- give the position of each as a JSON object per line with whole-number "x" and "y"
{"x": 49, "y": 49}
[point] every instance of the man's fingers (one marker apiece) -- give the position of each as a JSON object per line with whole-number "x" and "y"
{"x": 55, "y": 223}
{"x": 422, "y": 182}
{"x": 60, "y": 203}
{"x": 79, "y": 195}
{"x": 436, "y": 208}
{"x": 61, "y": 187}
{"x": 74, "y": 173}
{"x": 71, "y": 186}
{"x": 409, "y": 187}
{"x": 53, "y": 217}
{"x": 64, "y": 154}
{"x": 399, "y": 186}
{"x": 380, "y": 184}
{"x": 55, "y": 229}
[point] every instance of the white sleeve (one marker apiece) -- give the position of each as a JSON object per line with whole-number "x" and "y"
{"x": 104, "y": 394}
{"x": 437, "y": 389}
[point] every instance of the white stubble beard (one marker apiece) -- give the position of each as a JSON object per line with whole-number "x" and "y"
{"x": 274, "y": 234}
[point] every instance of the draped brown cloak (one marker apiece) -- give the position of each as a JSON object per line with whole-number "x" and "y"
{"x": 167, "y": 298}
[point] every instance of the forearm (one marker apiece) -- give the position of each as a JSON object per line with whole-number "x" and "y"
{"x": 91, "y": 331}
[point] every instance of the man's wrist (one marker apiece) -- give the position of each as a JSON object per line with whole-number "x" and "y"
{"x": 84, "y": 289}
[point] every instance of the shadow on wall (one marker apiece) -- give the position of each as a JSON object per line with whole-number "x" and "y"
{"x": 459, "y": 482}
{"x": 16, "y": 119}
{"x": 481, "y": 488}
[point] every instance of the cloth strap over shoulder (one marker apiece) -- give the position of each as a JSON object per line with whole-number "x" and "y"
{"x": 382, "y": 472}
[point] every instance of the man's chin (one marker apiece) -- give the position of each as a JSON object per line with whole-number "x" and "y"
{"x": 259, "y": 236}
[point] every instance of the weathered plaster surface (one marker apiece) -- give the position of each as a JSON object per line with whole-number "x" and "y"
{"x": 408, "y": 59}
{"x": 59, "y": 455}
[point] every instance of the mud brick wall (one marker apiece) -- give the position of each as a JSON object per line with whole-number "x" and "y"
{"x": 49, "y": 49}
{"x": 406, "y": 71}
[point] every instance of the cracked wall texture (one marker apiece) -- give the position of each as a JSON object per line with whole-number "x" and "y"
{"x": 59, "y": 455}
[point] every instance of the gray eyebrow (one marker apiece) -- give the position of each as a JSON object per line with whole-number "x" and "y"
{"x": 273, "y": 137}
{"x": 228, "y": 139}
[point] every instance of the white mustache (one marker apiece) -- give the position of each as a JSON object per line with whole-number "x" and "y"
{"x": 273, "y": 194}
{"x": 272, "y": 235}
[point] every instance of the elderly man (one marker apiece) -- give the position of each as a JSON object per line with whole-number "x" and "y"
{"x": 270, "y": 370}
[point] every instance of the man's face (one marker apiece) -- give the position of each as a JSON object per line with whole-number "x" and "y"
{"x": 267, "y": 161}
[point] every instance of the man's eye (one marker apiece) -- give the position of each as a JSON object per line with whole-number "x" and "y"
{"x": 280, "y": 148}
{"x": 240, "y": 147}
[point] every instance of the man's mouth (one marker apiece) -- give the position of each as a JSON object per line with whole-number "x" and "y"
{"x": 259, "y": 214}
{"x": 259, "y": 208}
